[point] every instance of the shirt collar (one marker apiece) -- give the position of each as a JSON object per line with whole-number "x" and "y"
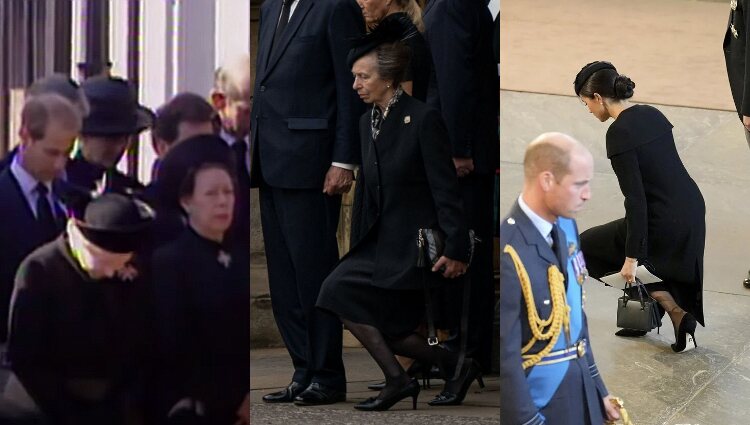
{"x": 543, "y": 226}
{"x": 229, "y": 139}
{"x": 27, "y": 182}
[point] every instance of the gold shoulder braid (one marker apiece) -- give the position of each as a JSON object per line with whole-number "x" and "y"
{"x": 559, "y": 316}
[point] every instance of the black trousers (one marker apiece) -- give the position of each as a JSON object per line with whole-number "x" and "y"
{"x": 478, "y": 198}
{"x": 299, "y": 230}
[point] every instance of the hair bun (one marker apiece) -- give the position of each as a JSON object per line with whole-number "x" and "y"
{"x": 624, "y": 87}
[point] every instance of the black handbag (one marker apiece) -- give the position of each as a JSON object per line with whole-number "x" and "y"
{"x": 639, "y": 313}
{"x": 431, "y": 244}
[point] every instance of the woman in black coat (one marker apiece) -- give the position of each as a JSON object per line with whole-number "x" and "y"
{"x": 664, "y": 226}
{"x": 407, "y": 182}
{"x": 202, "y": 284}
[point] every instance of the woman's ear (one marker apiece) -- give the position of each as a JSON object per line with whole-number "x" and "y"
{"x": 185, "y": 204}
{"x": 598, "y": 99}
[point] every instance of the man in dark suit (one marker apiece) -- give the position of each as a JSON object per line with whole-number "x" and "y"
{"x": 555, "y": 379}
{"x": 231, "y": 100}
{"x": 32, "y": 212}
{"x": 460, "y": 34}
{"x": 736, "y": 53}
{"x": 304, "y": 146}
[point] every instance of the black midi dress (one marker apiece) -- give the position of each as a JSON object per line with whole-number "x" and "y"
{"x": 664, "y": 225}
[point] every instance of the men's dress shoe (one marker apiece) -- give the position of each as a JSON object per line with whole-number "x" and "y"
{"x": 286, "y": 395}
{"x": 317, "y": 395}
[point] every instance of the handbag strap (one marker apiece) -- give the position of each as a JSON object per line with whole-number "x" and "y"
{"x": 464, "y": 325}
{"x": 431, "y": 332}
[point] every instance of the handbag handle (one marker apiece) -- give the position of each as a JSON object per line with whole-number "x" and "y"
{"x": 641, "y": 291}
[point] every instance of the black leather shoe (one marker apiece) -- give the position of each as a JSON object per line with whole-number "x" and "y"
{"x": 317, "y": 395}
{"x": 630, "y": 332}
{"x": 286, "y": 395}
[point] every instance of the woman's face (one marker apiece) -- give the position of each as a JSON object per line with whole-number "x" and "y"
{"x": 374, "y": 10}
{"x": 596, "y": 106}
{"x": 367, "y": 82}
{"x": 211, "y": 204}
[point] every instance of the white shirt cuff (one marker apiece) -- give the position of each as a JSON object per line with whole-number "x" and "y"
{"x": 350, "y": 167}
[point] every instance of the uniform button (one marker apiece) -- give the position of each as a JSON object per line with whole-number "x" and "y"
{"x": 376, "y": 162}
{"x": 262, "y": 88}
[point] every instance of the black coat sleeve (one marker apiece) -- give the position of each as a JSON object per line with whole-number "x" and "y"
{"x": 446, "y": 194}
{"x": 628, "y": 174}
{"x": 345, "y": 24}
{"x": 452, "y": 44}
{"x": 29, "y": 351}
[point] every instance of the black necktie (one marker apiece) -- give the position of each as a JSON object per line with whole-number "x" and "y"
{"x": 44, "y": 217}
{"x": 557, "y": 248}
{"x": 286, "y": 8}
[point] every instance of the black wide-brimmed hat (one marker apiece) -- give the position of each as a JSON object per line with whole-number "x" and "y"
{"x": 395, "y": 27}
{"x": 587, "y": 71}
{"x": 114, "y": 109}
{"x": 64, "y": 86}
{"x": 116, "y": 223}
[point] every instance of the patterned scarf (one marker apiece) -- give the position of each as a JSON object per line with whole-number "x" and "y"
{"x": 377, "y": 116}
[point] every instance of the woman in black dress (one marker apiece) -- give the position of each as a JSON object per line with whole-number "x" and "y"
{"x": 407, "y": 182}
{"x": 203, "y": 297}
{"x": 408, "y": 15}
{"x": 664, "y": 226}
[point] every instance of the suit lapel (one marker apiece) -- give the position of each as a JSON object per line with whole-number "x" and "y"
{"x": 532, "y": 235}
{"x": 294, "y": 23}
{"x": 266, "y": 35}
{"x": 21, "y": 213}
{"x": 429, "y": 7}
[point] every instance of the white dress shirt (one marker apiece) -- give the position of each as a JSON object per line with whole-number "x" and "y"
{"x": 543, "y": 226}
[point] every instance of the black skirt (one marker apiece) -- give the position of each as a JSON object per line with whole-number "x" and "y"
{"x": 348, "y": 292}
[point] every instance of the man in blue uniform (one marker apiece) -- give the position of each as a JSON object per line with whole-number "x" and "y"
{"x": 547, "y": 370}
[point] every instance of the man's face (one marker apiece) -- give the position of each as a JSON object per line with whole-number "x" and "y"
{"x": 567, "y": 196}
{"x": 105, "y": 151}
{"x": 45, "y": 158}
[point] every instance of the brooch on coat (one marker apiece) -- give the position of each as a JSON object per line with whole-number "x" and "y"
{"x": 407, "y": 119}
{"x": 127, "y": 273}
{"x": 224, "y": 258}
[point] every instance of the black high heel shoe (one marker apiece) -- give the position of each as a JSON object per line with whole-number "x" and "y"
{"x": 375, "y": 404}
{"x": 687, "y": 327}
{"x": 470, "y": 373}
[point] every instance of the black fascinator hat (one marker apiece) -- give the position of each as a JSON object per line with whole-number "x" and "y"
{"x": 395, "y": 27}
{"x": 587, "y": 71}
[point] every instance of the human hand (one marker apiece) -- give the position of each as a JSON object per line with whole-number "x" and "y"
{"x": 611, "y": 410}
{"x": 338, "y": 181}
{"x": 628, "y": 269}
{"x": 746, "y": 122}
{"x": 453, "y": 268}
{"x": 464, "y": 166}
{"x": 243, "y": 413}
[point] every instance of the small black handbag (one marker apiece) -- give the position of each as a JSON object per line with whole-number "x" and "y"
{"x": 639, "y": 313}
{"x": 431, "y": 244}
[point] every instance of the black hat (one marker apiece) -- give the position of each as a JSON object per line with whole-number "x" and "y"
{"x": 185, "y": 156}
{"x": 116, "y": 223}
{"x": 114, "y": 109}
{"x": 587, "y": 71}
{"x": 395, "y": 27}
